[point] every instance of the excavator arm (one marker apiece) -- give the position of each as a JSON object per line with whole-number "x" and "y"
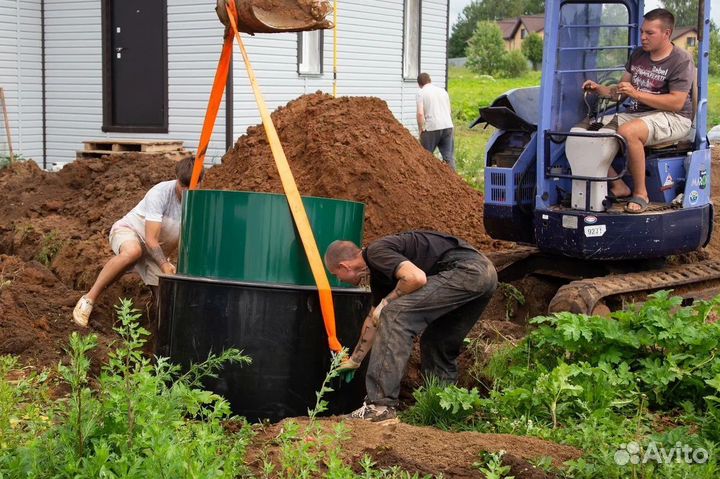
{"x": 276, "y": 16}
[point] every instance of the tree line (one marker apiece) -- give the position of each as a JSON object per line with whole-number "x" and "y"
{"x": 476, "y": 35}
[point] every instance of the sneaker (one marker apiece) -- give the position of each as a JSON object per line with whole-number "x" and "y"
{"x": 383, "y": 415}
{"x": 81, "y": 313}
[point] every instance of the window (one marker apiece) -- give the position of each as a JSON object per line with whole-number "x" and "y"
{"x": 523, "y": 33}
{"x": 411, "y": 40}
{"x": 310, "y": 52}
{"x": 691, "y": 41}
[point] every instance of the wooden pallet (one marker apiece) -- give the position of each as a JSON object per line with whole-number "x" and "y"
{"x": 142, "y": 146}
{"x": 95, "y": 154}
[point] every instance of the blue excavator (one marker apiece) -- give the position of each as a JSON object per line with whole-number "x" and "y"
{"x": 546, "y": 172}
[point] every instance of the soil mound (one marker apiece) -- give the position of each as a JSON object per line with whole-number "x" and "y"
{"x": 426, "y": 450}
{"x": 53, "y": 242}
{"x": 353, "y": 148}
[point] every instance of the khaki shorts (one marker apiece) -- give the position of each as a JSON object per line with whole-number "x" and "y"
{"x": 145, "y": 266}
{"x": 663, "y": 126}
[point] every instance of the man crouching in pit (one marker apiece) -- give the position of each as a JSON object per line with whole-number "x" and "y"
{"x": 423, "y": 282}
{"x": 143, "y": 239}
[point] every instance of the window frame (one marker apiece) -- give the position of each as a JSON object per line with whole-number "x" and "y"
{"x": 320, "y": 52}
{"x": 406, "y": 74}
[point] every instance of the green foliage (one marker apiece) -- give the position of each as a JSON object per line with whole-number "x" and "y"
{"x": 6, "y": 160}
{"x": 492, "y": 467}
{"x": 444, "y": 406}
{"x": 714, "y": 60}
{"x": 685, "y": 11}
{"x": 596, "y": 383}
{"x": 532, "y": 48}
{"x": 491, "y": 10}
{"x": 486, "y": 50}
{"x": 321, "y": 405}
{"x": 513, "y": 64}
{"x": 50, "y": 247}
{"x": 513, "y": 298}
{"x": 138, "y": 420}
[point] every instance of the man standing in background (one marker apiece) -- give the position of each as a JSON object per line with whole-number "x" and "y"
{"x": 434, "y": 119}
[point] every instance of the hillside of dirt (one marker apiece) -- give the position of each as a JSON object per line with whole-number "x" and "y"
{"x": 353, "y": 148}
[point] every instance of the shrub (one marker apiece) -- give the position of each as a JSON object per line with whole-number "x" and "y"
{"x": 486, "y": 49}
{"x": 532, "y": 48}
{"x": 513, "y": 64}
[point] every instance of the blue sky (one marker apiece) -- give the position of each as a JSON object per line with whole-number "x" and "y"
{"x": 456, "y": 7}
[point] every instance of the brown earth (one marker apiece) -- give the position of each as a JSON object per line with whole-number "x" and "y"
{"x": 353, "y": 148}
{"x": 424, "y": 450}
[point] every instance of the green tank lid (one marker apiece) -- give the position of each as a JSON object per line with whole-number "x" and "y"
{"x": 248, "y": 236}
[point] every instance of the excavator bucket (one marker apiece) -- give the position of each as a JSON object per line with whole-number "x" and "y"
{"x": 275, "y": 16}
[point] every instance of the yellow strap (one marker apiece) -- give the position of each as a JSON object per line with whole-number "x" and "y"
{"x": 335, "y": 47}
{"x": 293, "y": 196}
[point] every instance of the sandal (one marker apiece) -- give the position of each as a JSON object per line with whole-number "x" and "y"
{"x": 637, "y": 200}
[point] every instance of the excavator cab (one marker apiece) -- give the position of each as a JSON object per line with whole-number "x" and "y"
{"x": 277, "y": 16}
{"x": 546, "y": 178}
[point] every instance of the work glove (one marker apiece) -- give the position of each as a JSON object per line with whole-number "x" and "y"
{"x": 347, "y": 369}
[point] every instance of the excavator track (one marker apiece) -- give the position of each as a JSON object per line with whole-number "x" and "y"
{"x": 590, "y": 296}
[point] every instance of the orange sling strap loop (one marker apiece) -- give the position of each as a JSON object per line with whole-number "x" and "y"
{"x": 293, "y": 197}
{"x": 218, "y": 88}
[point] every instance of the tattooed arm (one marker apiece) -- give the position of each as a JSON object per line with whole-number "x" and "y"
{"x": 152, "y": 242}
{"x": 410, "y": 278}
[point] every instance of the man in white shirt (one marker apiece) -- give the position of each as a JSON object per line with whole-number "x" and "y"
{"x": 143, "y": 239}
{"x": 434, "y": 119}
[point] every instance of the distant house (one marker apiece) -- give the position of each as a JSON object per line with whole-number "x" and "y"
{"x": 514, "y": 30}
{"x": 685, "y": 37}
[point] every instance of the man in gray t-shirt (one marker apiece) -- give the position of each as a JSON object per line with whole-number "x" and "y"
{"x": 657, "y": 81}
{"x": 143, "y": 239}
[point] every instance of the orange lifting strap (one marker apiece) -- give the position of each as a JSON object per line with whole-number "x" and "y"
{"x": 288, "y": 181}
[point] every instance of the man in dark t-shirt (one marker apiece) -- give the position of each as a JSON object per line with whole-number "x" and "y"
{"x": 657, "y": 81}
{"x": 422, "y": 282}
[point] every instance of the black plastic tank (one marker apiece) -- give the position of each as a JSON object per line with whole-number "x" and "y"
{"x": 209, "y": 307}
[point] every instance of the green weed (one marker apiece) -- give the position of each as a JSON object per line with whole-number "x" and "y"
{"x": 50, "y": 247}
{"x": 492, "y": 467}
{"x": 138, "y": 419}
{"x": 602, "y": 383}
{"x": 513, "y": 299}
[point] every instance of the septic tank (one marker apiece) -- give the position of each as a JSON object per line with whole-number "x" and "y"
{"x": 243, "y": 281}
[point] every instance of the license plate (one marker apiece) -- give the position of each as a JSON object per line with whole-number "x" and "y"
{"x": 594, "y": 231}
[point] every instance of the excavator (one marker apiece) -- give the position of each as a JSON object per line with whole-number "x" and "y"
{"x": 277, "y": 16}
{"x": 546, "y": 173}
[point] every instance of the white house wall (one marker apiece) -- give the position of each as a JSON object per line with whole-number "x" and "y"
{"x": 370, "y": 64}
{"x": 21, "y": 76}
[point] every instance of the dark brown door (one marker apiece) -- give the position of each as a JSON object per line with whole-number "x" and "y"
{"x": 135, "y": 33}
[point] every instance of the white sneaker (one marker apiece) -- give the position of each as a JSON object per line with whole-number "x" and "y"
{"x": 81, "y": 313}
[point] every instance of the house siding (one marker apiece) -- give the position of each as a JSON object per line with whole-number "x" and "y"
{"x": 370, "y": 42}
{"x": 21, "y": 76}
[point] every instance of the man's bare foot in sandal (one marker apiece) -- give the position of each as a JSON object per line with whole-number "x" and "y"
{"x": 637, "y": 204}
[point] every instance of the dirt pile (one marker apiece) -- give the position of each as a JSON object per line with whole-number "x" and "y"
{"x": 426, "y": 451}
{"x": 353, "y": 148}
{"x": 53, "y": 242}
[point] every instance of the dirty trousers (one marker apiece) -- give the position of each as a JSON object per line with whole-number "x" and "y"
{"x": 443, "y": 311}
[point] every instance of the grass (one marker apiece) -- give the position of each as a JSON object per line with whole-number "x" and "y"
{"x": 470, "y": 91}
